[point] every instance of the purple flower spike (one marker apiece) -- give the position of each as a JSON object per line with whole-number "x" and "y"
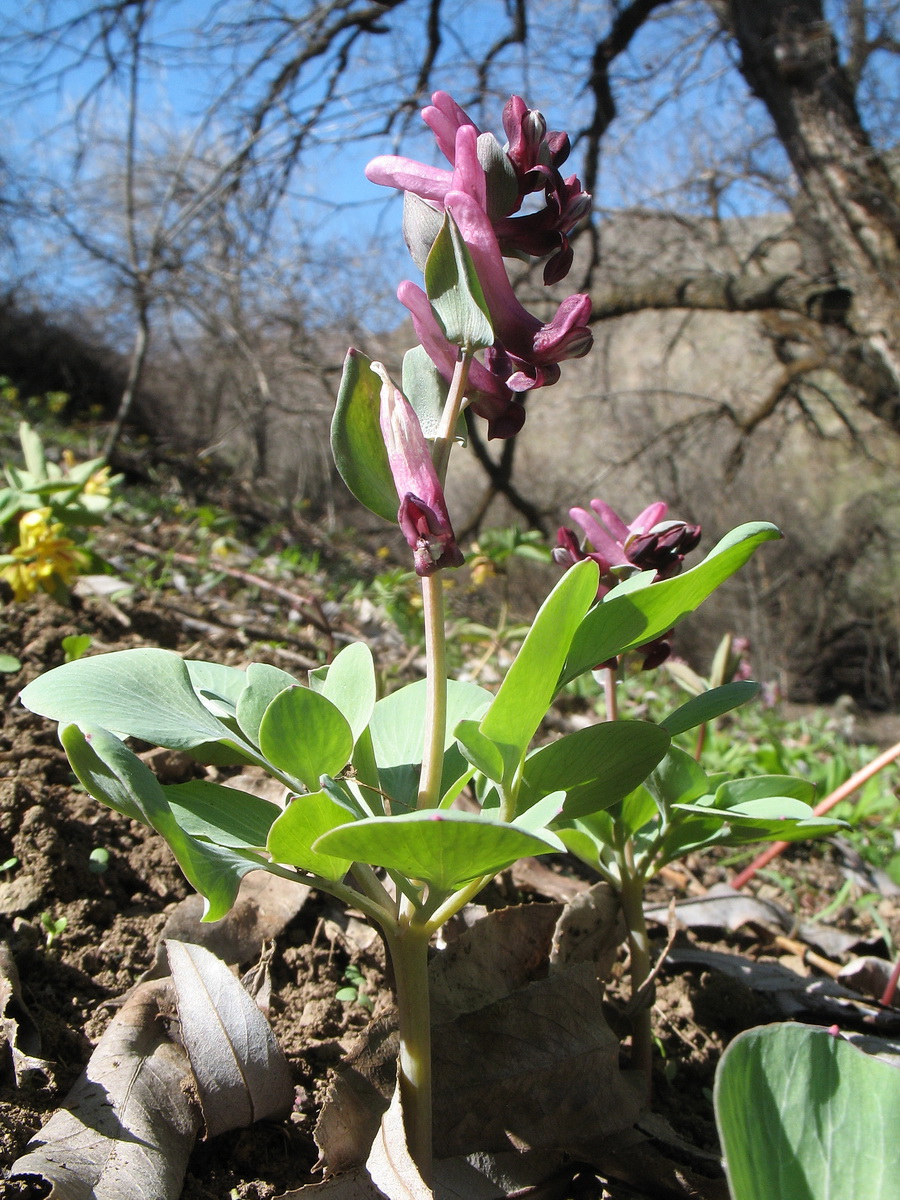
{"x": 484, "y": 191}
{"x": 423, "y": 516}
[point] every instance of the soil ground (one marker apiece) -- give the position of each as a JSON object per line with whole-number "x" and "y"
{"x": 71, "y": 983}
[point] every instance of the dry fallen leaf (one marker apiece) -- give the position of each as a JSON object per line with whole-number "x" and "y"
{"x": 265, "y": 905}
{"x": 591, "y": 928}
{"x": 129, "y": 1124}
{"x": 538, "y": 1069}
{"x": 242, "y": 1075}
{"x": 390, "y": 1164}
{"x": 17, "y": 1026}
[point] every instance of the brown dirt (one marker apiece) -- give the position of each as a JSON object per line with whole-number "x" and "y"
{"x": 114, "y": 919}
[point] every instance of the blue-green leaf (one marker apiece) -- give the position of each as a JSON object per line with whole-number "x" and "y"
{"x": 349, "y": 683}
{"x": 145, "y": 693}
{"x": 356, "y": 440}
{"x": 638, "y": 610}
{"x": 596, "y": 766}
{"x": 709, "y": 705}
{"x": 443, "y": 848}
{"x": 117, "y": 777}
{"x": 455, "y": 292}
{"x": 804, "y": 1115}
{"x": 263, "y": 684}
{"x": 398, "y": 736}
{"x": 224, "y": 815}
{"x": 305, "y": 736}
{"x": 678, "y": 779}
{"x": 531, "y": 682}
{"x": 305, "y": 819}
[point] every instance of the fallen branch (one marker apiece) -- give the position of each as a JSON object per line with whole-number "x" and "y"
{"x": 308, "y": 605}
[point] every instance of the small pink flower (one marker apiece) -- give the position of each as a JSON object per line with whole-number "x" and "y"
{"x": 423, "y": 516}
{"x": 648, "y": 543}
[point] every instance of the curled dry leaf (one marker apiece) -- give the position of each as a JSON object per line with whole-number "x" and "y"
{"x": 17, "y": 1027}
{"x": 390, "y": 1164}
{"x": 241, "y": 1074}
{"x": 128, "y": 1125}
{"x": 265, "y": 905}
{"x": 591, "y": 928}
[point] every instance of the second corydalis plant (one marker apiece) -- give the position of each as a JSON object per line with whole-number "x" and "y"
{"x": 367, "y": 811}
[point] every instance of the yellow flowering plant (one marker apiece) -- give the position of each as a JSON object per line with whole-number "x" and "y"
{"x": 45, "y": 510}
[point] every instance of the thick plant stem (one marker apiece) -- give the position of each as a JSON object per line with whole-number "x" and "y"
{"x": 631, "y": 891}
{"x": 409, "y": 956}
{"x": 436, "y": 692}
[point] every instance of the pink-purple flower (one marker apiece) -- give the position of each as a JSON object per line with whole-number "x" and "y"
{"x": 648, "y": 543}
{"x": 423, "y": 516}
{"x": 483, "y": 190}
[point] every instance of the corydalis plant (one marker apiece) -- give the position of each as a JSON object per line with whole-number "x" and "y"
{"x": 367, "y": 811}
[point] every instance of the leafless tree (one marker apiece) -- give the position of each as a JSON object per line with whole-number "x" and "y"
{"x": 777, "y": 104}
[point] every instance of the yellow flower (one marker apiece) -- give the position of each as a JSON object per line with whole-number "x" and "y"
{"x": 46, "y": 558}
{"x": 98, "y": 483}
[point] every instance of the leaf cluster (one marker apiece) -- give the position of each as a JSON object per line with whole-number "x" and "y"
{"x": 350, "y": 762}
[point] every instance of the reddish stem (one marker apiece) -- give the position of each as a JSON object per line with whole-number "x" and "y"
{"x": 863, "y": 775}
{"x": 890, "y": 991}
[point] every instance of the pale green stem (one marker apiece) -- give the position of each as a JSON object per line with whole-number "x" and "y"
{"x": 443, "y": 443}
{"x": 433, "y": 607}
{"x": 436, "y": 692}
{"x": 369, "y": 883}
{"x": 455, "y": 902}
{"x": 408, "y": 945}
{"x": 348, "y": 895}
{"x": 631, "y": 892}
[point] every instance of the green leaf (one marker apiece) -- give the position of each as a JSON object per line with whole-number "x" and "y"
{"x": 263, "y": 684}
{"x": 356, "y": 441}
{"x": 481, "y": 752}
{"x": 218, "y": 687}
{"x": 223, "y": 815}
{"x": 678, "y": 779}
{"x": 739, "y": 791}
{"x": 118, "y": 778}
{"x": 144, "y": 693}
{"x": 398, "y": 736}
{"x": 9, "y": 664}
{"x": 33, "y": 450}
{"x": 304, "y": 735}
{"x": 349, "y": 683}
{"x": 709, "y": 705}
{"x": 596, "y": 766}
{"x": 638, "y": 611}
{"x": 304, "y": 820}
{"x": 769, "y": 818}
{"x": 531, "y": 682}
{"x": 455, "y": 292}
{"x": 441, "y": 848}
{"x": 537, "y": 818}
{"x": 425, "y": 388}
{"x": 804, "y": 1115}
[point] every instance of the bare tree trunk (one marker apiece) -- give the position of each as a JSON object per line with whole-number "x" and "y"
{"x": 132, "y": 383}
{"x": 849, "y": 204}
